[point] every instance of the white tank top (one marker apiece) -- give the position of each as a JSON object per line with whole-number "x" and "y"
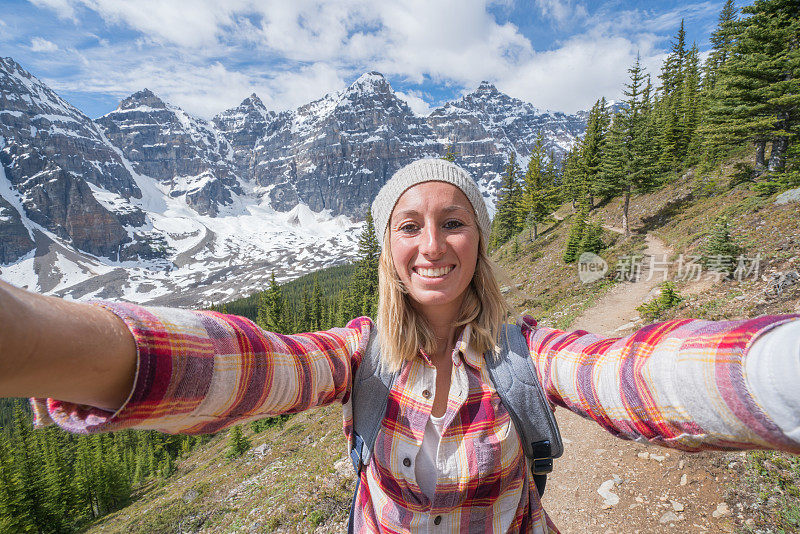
{"x": 425, "y": 467}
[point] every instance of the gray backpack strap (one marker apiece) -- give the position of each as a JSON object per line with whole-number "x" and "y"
{"x": 370, "y": 394}
{"x": 518, "y": 386}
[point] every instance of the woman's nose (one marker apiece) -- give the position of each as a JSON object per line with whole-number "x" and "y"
{"x": 433, "y": 241}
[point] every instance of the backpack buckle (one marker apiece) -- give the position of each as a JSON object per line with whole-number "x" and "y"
{"x": 542, "y": 466}
{"x": 355, "y": 452}
{"x": 542, "y": 462}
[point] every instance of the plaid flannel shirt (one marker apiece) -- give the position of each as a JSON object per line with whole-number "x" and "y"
{"x": 679, "y": 383}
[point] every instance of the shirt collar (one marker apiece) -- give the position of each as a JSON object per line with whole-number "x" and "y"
{"x": 467, "y": 350}
{"x": 463, "y": 350}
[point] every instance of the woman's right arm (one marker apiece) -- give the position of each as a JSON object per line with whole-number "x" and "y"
{"x": 196, "y": 371}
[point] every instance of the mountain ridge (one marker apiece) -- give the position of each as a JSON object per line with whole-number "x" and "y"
{"x": 151, "y": 204}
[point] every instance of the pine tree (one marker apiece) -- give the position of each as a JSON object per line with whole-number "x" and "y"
{"x": 15, "y": 513}
{"x": 449, "y": 154}
{"x": 507, "y": 221}
{"x": 629, "y": 164}
{"x": 316, "y": 306}
{"x": 671, "y": 103}
{"x": 573, "y": 178}
{"x": 238, "y": 443}
{"x": 722, "y": 39}
{"x": 58, "y": 483}
{"x": 690, "y": 105}
{"x": 757, "y": 92}
{"x": 361, "y": 298}
{"x": 304, "y": 322}
{"x": 28, "y": 460}
{"x": 721, "y": 250}
{"x": 85, "y": 480}
{"x": 540, "y": 193}
{"x": 271, "y": 314}
{"x": 592, "y": 150}
{"x": 572, "y": 250}
{"x": 592, "y": 239}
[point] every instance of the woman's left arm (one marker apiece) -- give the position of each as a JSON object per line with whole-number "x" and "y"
{"x": 685, "y": 384}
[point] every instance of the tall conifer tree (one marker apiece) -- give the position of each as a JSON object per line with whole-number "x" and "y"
{"x": 592, "y": 151}
{"x": 507, "y": 221}
{"x": 540, "y": 193}
{"x": 628, "y": 165}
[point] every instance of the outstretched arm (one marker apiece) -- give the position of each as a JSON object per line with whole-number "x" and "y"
{"x": 67, "y": 350}
{"x": 190, "y": 371}
{"x": 683, "y": 383}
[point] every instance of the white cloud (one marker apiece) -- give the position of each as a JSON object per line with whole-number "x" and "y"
{"x": 562, "y": 11}
{"x": 202, "y": 89}
{"x": 415, "y": 101}
{"x": 634, "y": 21}
{"x": 454, "y": 42}
{"x": 65, "y": 9}
{"x": 43, "y": 45}
{"x": 206, "y": 55}
{"x": 574, "y": 76}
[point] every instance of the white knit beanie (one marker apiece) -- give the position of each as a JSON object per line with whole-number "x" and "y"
{"x": 427, "y": 170}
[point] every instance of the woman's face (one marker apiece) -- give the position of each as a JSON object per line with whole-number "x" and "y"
{"x": 433, "y": 237}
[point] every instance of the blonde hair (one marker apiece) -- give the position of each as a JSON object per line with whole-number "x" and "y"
{"x": 403, "y": 331}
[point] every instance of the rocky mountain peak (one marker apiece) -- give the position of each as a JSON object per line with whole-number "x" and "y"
{"x": 7, "y": 64}
{"x": 143, "y": 98}
{"x": 15, "y": 82}
{"x": 487, "y": 88}
{"x": 253, "y": 102}
{"x": 370, "y": 82}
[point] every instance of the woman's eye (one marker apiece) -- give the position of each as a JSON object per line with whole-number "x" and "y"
{"x": 453, "y": 224}
{"x": 408, "y": 228}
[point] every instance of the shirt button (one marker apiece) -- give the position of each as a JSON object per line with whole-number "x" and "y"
{"x": 426, "y": 394}
{"x": 407, "y": 462}
{"x": 437, "y": 520}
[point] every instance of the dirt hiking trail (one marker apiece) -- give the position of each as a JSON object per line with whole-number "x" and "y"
{"x": 645, "y": 488}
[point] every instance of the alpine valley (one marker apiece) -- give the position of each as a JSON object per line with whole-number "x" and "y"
{"x": 152, "y": 205}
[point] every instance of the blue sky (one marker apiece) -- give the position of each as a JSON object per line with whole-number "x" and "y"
{"x": 208, "y": 55}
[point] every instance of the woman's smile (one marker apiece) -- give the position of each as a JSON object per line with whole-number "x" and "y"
{"x": 433, "y": 273}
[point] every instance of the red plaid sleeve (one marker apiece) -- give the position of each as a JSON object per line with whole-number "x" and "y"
{"x": 200, "y": 372}
{"x": 679, "y": 383}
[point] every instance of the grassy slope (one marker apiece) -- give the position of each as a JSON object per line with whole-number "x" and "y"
{"x": 289, "y": 481}
{"x": 303, "y": 482}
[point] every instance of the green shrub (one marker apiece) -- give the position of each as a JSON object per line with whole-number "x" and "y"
{"x": 668, "y": 298}
{"x": 515, "y": 248}
{"x": 238, "y": 444}
{"x": 316, "y": 518}
{"x": 263, "y": 424}
{"x": 721, "y": 250}
{"x": 572, "y": 251}
{"x": 592, "y": 240}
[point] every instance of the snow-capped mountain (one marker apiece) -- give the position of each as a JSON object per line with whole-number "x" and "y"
{"x": 152, "y": 205}
{"x": 335, "y": 153}
{"x": 189, "y": 156}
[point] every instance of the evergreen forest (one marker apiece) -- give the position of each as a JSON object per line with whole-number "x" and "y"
{"x": 741, "y": 104}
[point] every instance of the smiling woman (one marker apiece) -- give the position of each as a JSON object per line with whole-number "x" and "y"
{"x": 434, "y": 247}
{"x": 448, "y": 453}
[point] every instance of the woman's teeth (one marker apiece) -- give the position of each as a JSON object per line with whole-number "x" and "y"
{"x": 434, "y": 273}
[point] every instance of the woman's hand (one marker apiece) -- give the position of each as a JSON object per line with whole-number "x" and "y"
{"x": 71, "y": 351}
